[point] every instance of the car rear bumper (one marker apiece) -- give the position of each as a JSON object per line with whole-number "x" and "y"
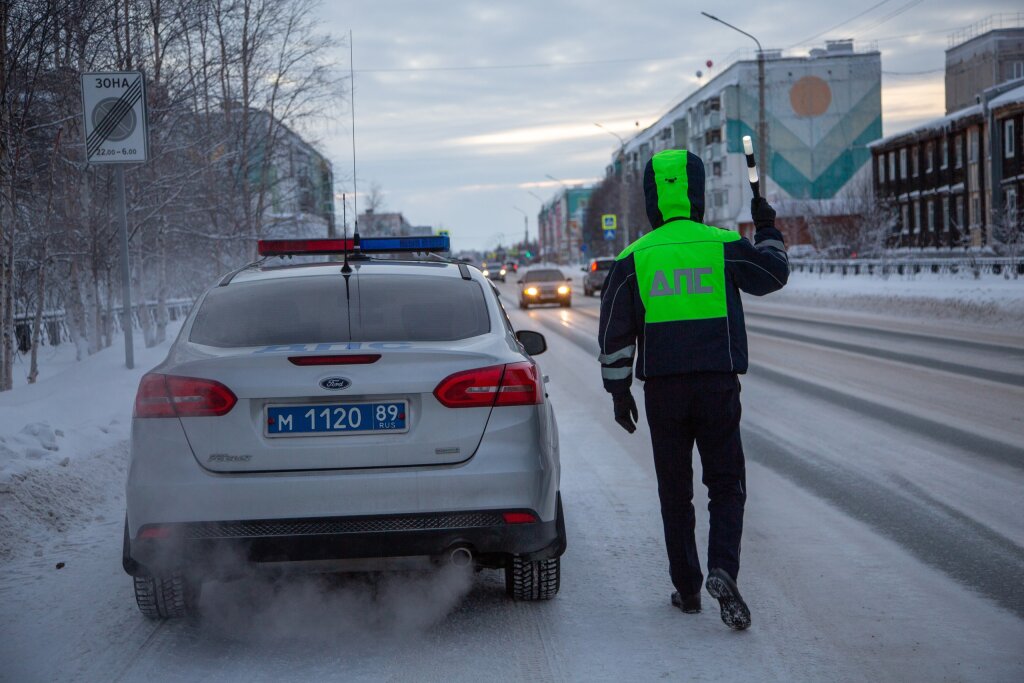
{"x": 226, "y": 549}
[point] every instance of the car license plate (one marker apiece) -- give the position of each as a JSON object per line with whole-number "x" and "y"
{"x": 337, "y": 418}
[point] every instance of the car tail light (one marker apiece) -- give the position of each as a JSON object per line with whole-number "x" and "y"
{"x": 520, "y": 386}
{"x": 171, "y": 396}
{"x": 515, "y": 384}
{"x": 593, "y": 267}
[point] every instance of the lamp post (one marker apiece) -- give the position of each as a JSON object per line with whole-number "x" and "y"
{"x": 762, "y": 124}
{"x": 526, "y": 224}
{"x": 623, "y": 193}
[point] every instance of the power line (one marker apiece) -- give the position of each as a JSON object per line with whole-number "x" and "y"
{"x": 891, "y": 15}
{"x": 839, "y": 25}
{"x": 536, "y": 65}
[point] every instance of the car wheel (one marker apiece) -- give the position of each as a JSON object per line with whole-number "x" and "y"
{"x": 165, "y": 597}
{"x": 566, "y": 304}
{"x": 587, "y": 291}
{"x": 523, "y": 305}
{"x": 532, "y": 580}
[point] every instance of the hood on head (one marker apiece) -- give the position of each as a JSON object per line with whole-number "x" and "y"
{"x": 674, "y": 187}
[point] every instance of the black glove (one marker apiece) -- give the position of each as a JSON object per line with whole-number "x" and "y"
{"x": 625, "y": 410}
{"x": 762, "y": 213}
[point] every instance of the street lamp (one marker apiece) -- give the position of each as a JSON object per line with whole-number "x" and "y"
{"x": 762, "y": 125}
{"x": 526, "y": 224}
{"x": 623, "y": 199}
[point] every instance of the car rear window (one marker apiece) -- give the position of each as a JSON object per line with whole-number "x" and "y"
{"x": 605, "y": 264}
{"x": 318, "y": 309}
{"x": 547, "y": 275}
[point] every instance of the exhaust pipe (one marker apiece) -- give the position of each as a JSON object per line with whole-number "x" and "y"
{"x": 461, "y": 557}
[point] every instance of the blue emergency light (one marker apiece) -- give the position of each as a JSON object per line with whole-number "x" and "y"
{"x": 366, "y": 245}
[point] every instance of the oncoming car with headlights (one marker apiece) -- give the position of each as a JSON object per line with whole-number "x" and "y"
{"x": 331, "y": 416}
{"x": 544, "y": 286}
{"x": 494, "y": 271}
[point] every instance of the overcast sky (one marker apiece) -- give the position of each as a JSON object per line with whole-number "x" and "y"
{"x": 463, "y": 107}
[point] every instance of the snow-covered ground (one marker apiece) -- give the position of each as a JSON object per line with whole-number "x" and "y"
{"x": 834, "y": 598}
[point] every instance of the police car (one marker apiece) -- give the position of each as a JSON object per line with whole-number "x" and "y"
{"x": 341, "y": 415}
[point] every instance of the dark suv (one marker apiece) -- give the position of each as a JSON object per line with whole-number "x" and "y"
{"x": 596, "y": 272}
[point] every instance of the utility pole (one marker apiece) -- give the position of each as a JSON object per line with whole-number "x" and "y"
{"x": 762, "y": 122}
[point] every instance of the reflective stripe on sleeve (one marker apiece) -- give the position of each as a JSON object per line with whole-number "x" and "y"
{"x": 775, "y": 244}
{"x": 616, "y": 373}
{"x": 624, "y": 352}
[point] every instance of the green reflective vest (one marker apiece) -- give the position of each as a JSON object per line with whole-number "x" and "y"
{"x": 680, "y": 271}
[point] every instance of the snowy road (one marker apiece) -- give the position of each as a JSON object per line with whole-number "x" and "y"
{"x": 884, "y": 541}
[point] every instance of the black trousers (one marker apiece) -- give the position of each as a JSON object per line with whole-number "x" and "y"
{"x": 705, "y": 408}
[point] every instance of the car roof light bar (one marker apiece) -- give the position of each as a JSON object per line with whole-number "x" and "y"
{"x": 365, "y": 245}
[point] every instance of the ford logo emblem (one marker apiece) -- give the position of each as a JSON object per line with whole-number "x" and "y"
{"x": 335, "y": 383}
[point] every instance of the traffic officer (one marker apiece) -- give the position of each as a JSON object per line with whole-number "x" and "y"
{"x": 672, "y": 304}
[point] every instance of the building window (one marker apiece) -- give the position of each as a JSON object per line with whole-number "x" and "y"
{"x": 1011, "y": 204}
{"x": 959, "y": 213}
{"x": 975, "y": 210}
{"x": 881, "y": 169}
{"x": 1009, "y": 143}
{"x": 944, "y": 153}
{"x": 903, "y": 163}
{"x": 905, "y": 209}
{"x": 917, "y": 216}
{"x": 716, "y": 169}
{"x": 958, "y": 151}
{"x": 972, "y": 149}
{"x": 931, "y": 216}
{"x": 945, "y": 214}
{"x": 1018, "y": 70}
{"x": 915, "y": 154}
{"x": 892, "y": 166}
{"x": 929, "y": 157}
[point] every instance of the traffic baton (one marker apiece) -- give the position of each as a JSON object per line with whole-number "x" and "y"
{"x": 755, "y": 183}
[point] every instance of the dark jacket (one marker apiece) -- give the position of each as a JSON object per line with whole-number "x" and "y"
{"x": 672, "y": 299}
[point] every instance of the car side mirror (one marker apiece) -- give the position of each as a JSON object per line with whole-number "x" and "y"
{"x": 533, "y": 342}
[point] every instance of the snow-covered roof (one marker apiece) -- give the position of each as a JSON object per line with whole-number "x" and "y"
{"x": 1015, "y": 96}
{"x": 933, "y": 125}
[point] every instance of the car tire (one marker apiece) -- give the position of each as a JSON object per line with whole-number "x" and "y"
{"x": 566, "y": 304}
{"x": 587, "y": 291}
{"x": 167, "y": 597}
{"x": 523, "y": 305}
{"x": 527, "y": 580}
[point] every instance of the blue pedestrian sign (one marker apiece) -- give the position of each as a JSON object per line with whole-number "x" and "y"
{"x": 609, "y": 221}
{"x": 609, "y": 235}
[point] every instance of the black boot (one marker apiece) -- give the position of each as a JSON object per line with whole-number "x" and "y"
{"x": 735, "y": 613}
{"x": 690, "y": 604}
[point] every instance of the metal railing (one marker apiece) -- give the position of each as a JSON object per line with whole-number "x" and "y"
{"x": 55, "y": 328}
{"x": 976, "y": 266}
{"x": 991, "y": 23}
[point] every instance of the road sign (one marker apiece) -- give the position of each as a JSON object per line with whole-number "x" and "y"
{"x": 609, "y": 235}
{"x": 609, "y": 221}
{"x": 115, "y": 117}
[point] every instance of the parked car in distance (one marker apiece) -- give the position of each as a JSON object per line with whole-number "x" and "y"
{"x": 802, "y": 251}
{"x": 596, "y": 273}
{"x": 544, "y": 286}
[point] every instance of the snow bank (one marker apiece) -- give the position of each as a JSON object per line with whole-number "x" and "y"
{"x": 992, "y": 300}
{"x": 64, "y": 440}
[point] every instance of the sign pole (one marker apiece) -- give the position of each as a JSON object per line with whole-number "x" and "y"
{"x": 126, "y": 278}
{"x": 114, "y": 112}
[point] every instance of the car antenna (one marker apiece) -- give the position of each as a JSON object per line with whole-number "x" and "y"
{"x": 355, "y": 187}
